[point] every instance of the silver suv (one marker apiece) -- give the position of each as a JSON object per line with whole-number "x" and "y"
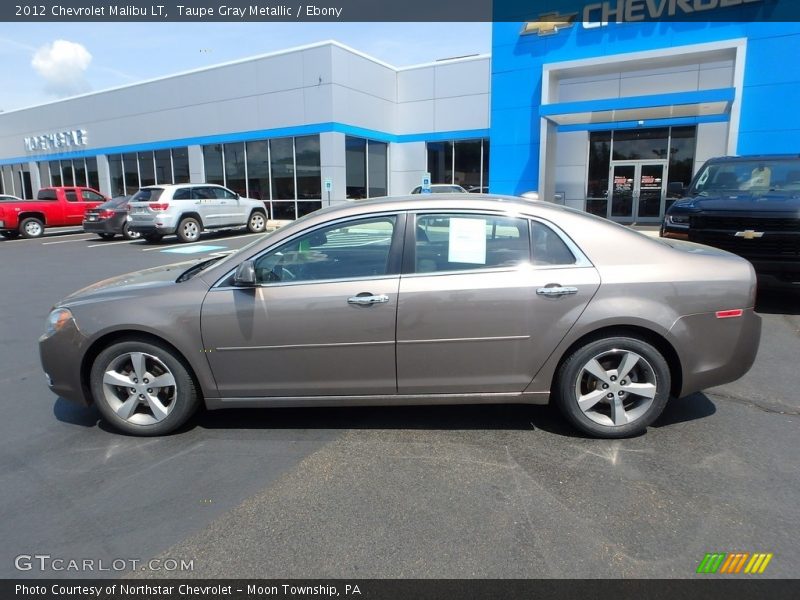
{"x": 188, "y": 209}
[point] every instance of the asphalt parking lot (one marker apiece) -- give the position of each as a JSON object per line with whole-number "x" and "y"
{"x": 497, "y": 491}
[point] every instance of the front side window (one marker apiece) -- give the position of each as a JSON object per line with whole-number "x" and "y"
{"x": 348, "y": 250}
{"x": 71, "y": 196}
{"x": 457, "y": 242}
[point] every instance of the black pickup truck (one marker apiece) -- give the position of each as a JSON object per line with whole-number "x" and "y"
{"x": 748, "y": 205}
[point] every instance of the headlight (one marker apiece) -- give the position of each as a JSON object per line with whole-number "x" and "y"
{"x": 678, "y": 220}
{"x": 56, "y": 321}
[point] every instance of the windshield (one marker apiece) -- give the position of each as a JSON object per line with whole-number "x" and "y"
{"x": 756, "y": 176}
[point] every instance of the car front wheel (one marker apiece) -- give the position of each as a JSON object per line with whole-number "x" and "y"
{"x": 142, "y": 388}
{"x": 613, "y": 387}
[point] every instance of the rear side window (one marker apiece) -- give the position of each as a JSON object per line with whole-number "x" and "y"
{"x": 548, "y": 247}
{"x": 147, "y": 195}
{"x": 182, "y": 194}
{"x": 451, "y": 242}
{"x": 46, "y": 195}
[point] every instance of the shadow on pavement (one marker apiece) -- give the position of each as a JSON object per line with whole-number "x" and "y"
{"x": 682, "y": 410}
{"x": 74, "y": 414}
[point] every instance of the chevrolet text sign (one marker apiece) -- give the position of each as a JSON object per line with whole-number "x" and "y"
{"x": 60, "y": 139}
{"x": 622, "y": 11}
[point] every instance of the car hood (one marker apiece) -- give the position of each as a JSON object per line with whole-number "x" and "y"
{"x": 769, "y": 202}
{"x": 128, "y": 284}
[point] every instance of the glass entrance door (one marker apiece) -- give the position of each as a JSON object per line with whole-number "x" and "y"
{"x": 636, "y": 190}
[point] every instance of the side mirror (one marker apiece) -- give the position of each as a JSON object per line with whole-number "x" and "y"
{"x": 245, "y": 275}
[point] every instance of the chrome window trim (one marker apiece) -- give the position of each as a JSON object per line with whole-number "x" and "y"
{"x": 388, "y": 213}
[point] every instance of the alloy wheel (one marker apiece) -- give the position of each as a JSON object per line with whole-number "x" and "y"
{"x": 190, "y": 230}
{"x": 139, "y": 388}
{"x": 616, "y": 387}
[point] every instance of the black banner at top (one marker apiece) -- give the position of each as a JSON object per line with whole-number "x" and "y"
{"x": 405, "y": 10}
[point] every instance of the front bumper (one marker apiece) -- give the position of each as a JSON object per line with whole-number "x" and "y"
{"x": 62, "y": 355}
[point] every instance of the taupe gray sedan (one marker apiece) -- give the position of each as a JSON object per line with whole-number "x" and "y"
{"x": 419, "y": 300}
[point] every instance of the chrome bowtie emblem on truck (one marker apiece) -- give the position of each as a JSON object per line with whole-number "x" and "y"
{"x": 549, "y": 24}
{"x": 749, "y": 234}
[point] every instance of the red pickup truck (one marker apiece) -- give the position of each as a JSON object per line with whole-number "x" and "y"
{"x": 53, "y": 207}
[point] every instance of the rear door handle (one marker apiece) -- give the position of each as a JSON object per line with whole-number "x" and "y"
{"x": 554, "y": 291}
{"x": 368, "y": 299}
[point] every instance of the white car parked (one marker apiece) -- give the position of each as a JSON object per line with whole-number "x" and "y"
{"x": 188, "y": 209}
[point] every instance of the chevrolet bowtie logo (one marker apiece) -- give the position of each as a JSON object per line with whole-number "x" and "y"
{"x": 749, "y": 234}
{"x": 549, "y": 24}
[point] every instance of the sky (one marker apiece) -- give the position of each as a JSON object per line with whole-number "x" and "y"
{"x": 43, "y": 62}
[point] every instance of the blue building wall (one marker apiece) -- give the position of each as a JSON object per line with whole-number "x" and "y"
{"x": 770, "y": 114}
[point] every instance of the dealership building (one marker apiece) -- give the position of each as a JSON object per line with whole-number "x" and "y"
{"x": 611, "y": 118}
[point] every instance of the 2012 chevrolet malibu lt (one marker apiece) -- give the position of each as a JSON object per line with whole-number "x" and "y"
{"x": 419, "y": 300}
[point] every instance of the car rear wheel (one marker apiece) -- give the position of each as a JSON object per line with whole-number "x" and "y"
{"x": 142, "y": 388}
{"x": 189, "y": 230}
{"x": 107, "y": 236}
{"x": 128, "y": 234}
{"x": 257, "y": 222}
{"x": 31, "y": 228}
{"x": 613, "y": 387}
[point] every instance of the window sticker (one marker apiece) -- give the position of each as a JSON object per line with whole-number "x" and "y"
{"x": 467, "y": 241}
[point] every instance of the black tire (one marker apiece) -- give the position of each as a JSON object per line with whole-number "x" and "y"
{"x": 152, "y": 238}
{"x": 31, "y": 227}
{"x": 128, "y": 234}
{"x": 651, "y": 375}
{"x": 257, "y": 222}
{"x": 10, "y": 235}
{"x": 107, "y": 236}
{"x": 188, "y": 230}
{"x": 180, "y": 400}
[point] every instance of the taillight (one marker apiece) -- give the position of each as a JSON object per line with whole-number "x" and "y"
{"x": 156, "y": 206}
{"x": 729, "y": 314}
{"x": 106, "y": 214}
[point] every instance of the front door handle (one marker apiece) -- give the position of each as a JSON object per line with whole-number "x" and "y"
{"x": 368, "y": 299}
{"x": 555, "y": 290}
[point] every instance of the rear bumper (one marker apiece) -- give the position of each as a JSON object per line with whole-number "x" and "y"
{"x": 104, "y": 226}
{"x": 146, "y": 229}
{"x": 716, "y": 351}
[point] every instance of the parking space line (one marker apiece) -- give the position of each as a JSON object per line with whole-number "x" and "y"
{"x": 209, "y": 241}
{"x": 112, "y": 243}
{"x": 66, "y": 241}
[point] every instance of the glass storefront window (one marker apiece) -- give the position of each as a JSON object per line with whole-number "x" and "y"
{"x": 163, "y": 166}
{"x": 212, "y": 158}
{"x": 235, "y": 177}
{"x": 641, "y": 144}
{"x": 91, "y": 173}
{"x": 131, "y": 169}
{"x": 440, "y": 162}
{"x": 467, "y": 171}
{"x": 377, "y": 168}
{"x": 258, "y": 169}
{"x": 55, "y": 174}
{"x": 116, "y": 174}
{"x": 356, "y": 167}
{"x": 283, "y": 210}
{"x": 180, "y": 165}
{"x": 309, "y": 172}
{"x": 681, "y": 161}
{"x": 79, "y": 167}
{"x": 147, "y": 170}
{"x": 282, "y": 168}
{"x": 67, "y": 175}
{"x": 44, "y": 175}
